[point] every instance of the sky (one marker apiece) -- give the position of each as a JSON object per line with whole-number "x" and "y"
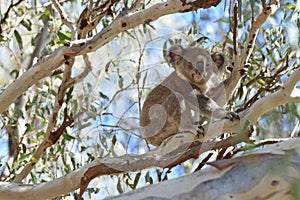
{"x": 166, "y": 27}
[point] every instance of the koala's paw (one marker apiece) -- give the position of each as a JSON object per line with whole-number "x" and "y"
{"x": 200, "y": 131}
{"x": 232, "y": 116}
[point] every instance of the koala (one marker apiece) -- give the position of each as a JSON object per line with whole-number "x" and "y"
{"x": 167, "y": 108}
{"x": 218, "y": 59}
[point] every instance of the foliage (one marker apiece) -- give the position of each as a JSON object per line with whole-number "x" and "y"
{"x": 106, "y": 105}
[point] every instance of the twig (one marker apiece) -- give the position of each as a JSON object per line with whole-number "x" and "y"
{"x": 241, "y": 60}
{"x": 5, "y": 16}
{"x": 258, "y": 144}
{"x": 235, "y": 25}
{"x": 266, "y": 87}
{"x": 48, "y": 64}
{"x": 203, "y": 162}
{"x": 292, "y": 135}
{"x": 64, "y": 17}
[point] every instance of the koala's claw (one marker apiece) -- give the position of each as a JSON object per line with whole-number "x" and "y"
{"x": 200, "y": 131}
{"x": 232, "y": 116}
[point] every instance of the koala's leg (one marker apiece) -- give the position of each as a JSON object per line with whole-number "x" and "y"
{"x": 186, "y": 120}
{"x": 164, "y": 120}
{"x": 172, "y": 143}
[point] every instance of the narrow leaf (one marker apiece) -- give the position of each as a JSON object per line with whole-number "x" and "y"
{"x": 19, "y": 39}
{"x": 119, "y": 187}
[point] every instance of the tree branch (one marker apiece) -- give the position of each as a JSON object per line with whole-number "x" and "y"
{"x": 45, "y": 67}
{"x": 260, "y": 107}
{"x": 270, "y": 173}
{"x": 241, "y": 59}
{"x": 105, "y": 166}
{"x": 129, "y": 163}
{"x": 5, "y": 16}
{"x": 64, "y": 17}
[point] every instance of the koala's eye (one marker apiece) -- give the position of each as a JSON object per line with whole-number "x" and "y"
{"x": 189, "y": 66}
{"x": 200, "y": 66}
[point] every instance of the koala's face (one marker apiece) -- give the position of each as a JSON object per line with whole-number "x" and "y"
{"x": 193, "y": 64}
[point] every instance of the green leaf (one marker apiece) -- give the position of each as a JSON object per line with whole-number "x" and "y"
{"x": 171, "y": 42}
{"x": 229, "y": 41}
{"x": 128, "y": 33}
{"x": 19, "y": 113}
{"x": 24, "y": 148}
{"x": 148, "y": 178}
{"x": 107, "y": 66}
{"x": 19, "y": 39}
{"x": 119, "y": 187}
{"x": 121, "y": 82}
{"x": 69, "y": 94}
{"x": 202, "y": 39}
{"x": 33, "y": 178}
{"x": 19, "y": 162}
{"x": 21, "y": 10}
{"x": 46, "y": 83}
{"x": 271, "y": 56}
{"x": 40, "y": 134}
{"x": 165, "y": 50}
{"x": 15, "y": 72}
{"x": 28, "y": 127}
{"x": 223, "y": 20}
{"x": 261, "y": 82}
{"x": 144, "y": 80}
{"x": 27, "y": 24}
{"x": 291, "y": 7}
{"x": 129, "y": 184}
{"x": 62, "y": 37}
{"x": 103, "y": 96}
{"x": 53, "y": 92}
{"x": 82, "y": 148}
{"x": 68, "y": 137}
{"x": 45, "y": 14}
{"x": 136, "y": 179}
{"x": 114, "y": 140}
{"x": 252, "y": 4}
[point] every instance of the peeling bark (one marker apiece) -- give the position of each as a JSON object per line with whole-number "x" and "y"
{"x": 272, "y": 173}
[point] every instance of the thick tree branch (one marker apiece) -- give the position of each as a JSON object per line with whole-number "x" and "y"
{"x": 65, "y": 54}
{"x": 242, "y": 58}
{"x": 126, "y": 163}
{"x": 271, "y": 173}
{"x": 81, "y": 177}
{"x": 259, "y": 108}
{"x": 47, "y": 65}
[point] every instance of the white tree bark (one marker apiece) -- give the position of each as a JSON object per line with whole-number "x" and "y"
{"x": 123, "y": 22}
{"x": 164, "y": 158}
{"x": 267, "y": 175}
{"x": 271, "y": 173}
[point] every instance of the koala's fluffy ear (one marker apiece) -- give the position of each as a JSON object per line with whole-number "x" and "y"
{"x": 175, "y": 53}
{"x": 218, "y": 59}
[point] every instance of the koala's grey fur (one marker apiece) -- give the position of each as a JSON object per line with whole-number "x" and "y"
{"x": 167, "y": 108}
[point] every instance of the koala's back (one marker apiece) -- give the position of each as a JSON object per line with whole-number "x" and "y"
{"x": 160, "y": 116}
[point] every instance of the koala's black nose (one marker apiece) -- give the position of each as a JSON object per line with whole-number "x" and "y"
{"x": 200, "y": 66}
